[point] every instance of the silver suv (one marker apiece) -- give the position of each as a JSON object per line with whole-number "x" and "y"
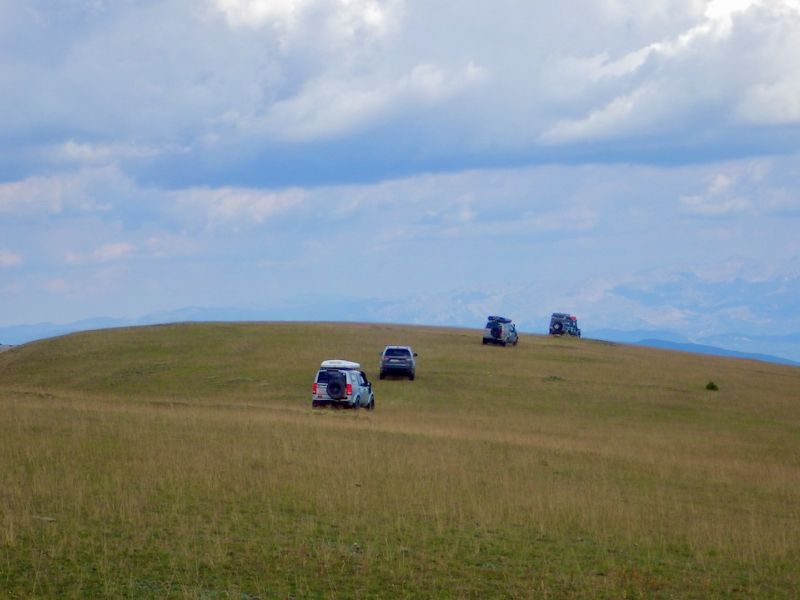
{"x": 500, "y": 330}
{"x": 342, "y": 383}
{"x": 398, "y": 360}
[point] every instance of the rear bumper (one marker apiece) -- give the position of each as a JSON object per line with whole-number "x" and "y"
{"x": 395, "y": 368}
{"x": 315, "y": 403}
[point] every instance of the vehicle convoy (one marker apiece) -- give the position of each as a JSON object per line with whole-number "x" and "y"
{"x": 398, "y": 360}
{"x": 564, "y": 323}
{"x": 342, "y": 383}
{"x": 500, "y": 330}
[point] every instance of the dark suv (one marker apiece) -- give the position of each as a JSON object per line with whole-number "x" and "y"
{"x": 564, "y": 323}
{"x": 500, "y": 330}
{"x": 398, "y": 360}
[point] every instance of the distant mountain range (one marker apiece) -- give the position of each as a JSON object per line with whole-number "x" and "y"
{"x": 714, "y": 351}
{"x": 781, "y": 349}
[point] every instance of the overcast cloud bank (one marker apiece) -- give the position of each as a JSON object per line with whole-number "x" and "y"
{"x": 638, "y": 165}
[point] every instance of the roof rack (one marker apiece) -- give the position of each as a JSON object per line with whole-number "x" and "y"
{"x": 499, "y": 319}
{"x": 340, "y": 364}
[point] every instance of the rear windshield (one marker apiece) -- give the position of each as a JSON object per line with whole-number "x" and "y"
{"x": 397, "y": 352}
{"x": 493, "y": 324}
{"x": 324, "y": 376}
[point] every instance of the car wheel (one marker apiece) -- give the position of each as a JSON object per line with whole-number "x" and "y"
{"x": 485, "y": 342}
{"x": 371, "y": 405}
{"x": 412, "y": 376}
{"x": 382, "y": 375}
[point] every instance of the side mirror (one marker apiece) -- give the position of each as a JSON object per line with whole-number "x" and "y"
{"x": 415, "y": 354}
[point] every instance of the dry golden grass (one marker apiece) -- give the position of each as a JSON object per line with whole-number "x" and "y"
{"x": 185, "y": 461}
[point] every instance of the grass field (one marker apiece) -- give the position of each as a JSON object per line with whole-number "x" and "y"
{"x": 185, "y": 461}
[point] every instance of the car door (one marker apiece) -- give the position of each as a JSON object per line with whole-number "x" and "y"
{"x": 354, "y": 381}
{"x": 365, "y": 388}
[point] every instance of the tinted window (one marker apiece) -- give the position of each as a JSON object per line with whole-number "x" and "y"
{"x": 325, "y": 376}
{"x": 397, "y": 352}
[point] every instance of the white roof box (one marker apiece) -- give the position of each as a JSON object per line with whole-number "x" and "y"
{"x": 340, "y": 364}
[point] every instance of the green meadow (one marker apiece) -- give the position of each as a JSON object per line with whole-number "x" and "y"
{"x": 185, "y": 461}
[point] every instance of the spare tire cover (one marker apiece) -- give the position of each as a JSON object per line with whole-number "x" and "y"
{"x": 497, "y": 331}
{"x": 558, "y": 326}
{"x": 336, "y": 386}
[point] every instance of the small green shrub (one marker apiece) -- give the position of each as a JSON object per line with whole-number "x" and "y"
{"x": 711, "y": 386}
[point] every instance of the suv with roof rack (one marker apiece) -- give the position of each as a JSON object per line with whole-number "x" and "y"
{"x": 564, "y": 323}
{"x": 500, "y": 330}
{"x": 342, "y": 383}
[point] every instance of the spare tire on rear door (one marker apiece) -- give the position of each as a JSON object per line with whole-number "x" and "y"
{"x": 337, "y": 385}
{"x": 558, "y": 326}
{"x": 496, "y": 331}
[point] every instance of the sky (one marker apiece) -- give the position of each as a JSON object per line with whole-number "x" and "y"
{"x": 637, "y": 164}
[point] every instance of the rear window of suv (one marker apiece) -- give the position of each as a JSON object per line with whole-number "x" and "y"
{"x": 324, "y": 376}
{"x": 397, "y": 352}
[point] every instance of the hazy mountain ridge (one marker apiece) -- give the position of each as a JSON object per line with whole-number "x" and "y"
{"x": 714, "y": 351}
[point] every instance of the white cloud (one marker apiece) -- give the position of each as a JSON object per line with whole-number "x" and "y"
{"x": 115, "y": 251}
{"x": 254, "y": 13}
{"x": 83, "y": 191}
{"x": 235, "y": 207}
{"x": 86, "y": 153}
{"x": 33, "y": 195}
{"x": 646, "y": 86}
{"x": 343, "y": 18}
{"x": 147, "y": 83}
{"x": 773, "y": 104}
{"x": 622, "y": 116}
{"x": 106, "y": 253}
{"x": 716, "y": 201}
{"x": 334, "y": 106}
{"x": 9, "y": 259}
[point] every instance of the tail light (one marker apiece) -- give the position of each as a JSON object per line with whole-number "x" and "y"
{"x": 349, "y": 389}
{"x": 314, "y": 389}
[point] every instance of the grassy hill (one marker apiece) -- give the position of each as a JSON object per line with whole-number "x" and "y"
{"x": 185, "y": 461}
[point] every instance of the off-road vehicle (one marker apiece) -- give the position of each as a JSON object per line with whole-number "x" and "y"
{"x": 398, "y": 360}
{"x": 564, "y": 323}
{"x": 342, "y": 383}
{"x": 500, "y": 330}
